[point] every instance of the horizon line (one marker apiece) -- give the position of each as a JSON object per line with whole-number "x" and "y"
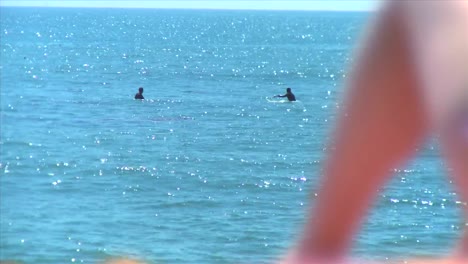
{"x": 267, "y": 5}
{"x": 195, "y": 9}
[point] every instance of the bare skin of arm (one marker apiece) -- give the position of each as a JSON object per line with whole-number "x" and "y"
{"x": 389, "y": 110}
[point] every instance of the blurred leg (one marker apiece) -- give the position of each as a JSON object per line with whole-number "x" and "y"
{"x": 439, "y": 32}
{"x": 381, "y": 125}
{"x": 410, "y": 79}
{"x": 455, "y": 146}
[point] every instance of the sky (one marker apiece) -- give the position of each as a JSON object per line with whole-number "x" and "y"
{"x": 330, "y": 5}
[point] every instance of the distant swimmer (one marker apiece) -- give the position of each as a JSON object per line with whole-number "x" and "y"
{"x": 288, "y": 94}
{"x": 139, "y": 95}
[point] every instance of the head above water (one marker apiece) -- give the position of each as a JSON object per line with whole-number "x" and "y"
{"x": 288, "y": 90}
{"x": 140, "y": 89}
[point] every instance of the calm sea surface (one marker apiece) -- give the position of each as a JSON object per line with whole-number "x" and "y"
{"x": 206, "y": 169}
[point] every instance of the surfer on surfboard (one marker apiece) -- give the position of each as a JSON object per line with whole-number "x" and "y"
{"x": 288, "y": 94}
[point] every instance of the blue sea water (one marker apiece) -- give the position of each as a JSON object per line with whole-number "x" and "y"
{"x": 206, "y": 169}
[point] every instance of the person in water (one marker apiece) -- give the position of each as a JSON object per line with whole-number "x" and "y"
{"x": 139, "y": 95}
{"x": 409, "y": 81}
{"x": 288, "y": 94}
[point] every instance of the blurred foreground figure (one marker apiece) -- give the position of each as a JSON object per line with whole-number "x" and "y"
{"x": 122, "y": 261}
{"x": 410, "y": 80}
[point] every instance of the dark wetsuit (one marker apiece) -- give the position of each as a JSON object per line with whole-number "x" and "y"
{"x": 139, "y": 96}
{"x": 289, "y": 95}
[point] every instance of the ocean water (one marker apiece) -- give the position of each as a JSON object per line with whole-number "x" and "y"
{"x": 206, "y": 169}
